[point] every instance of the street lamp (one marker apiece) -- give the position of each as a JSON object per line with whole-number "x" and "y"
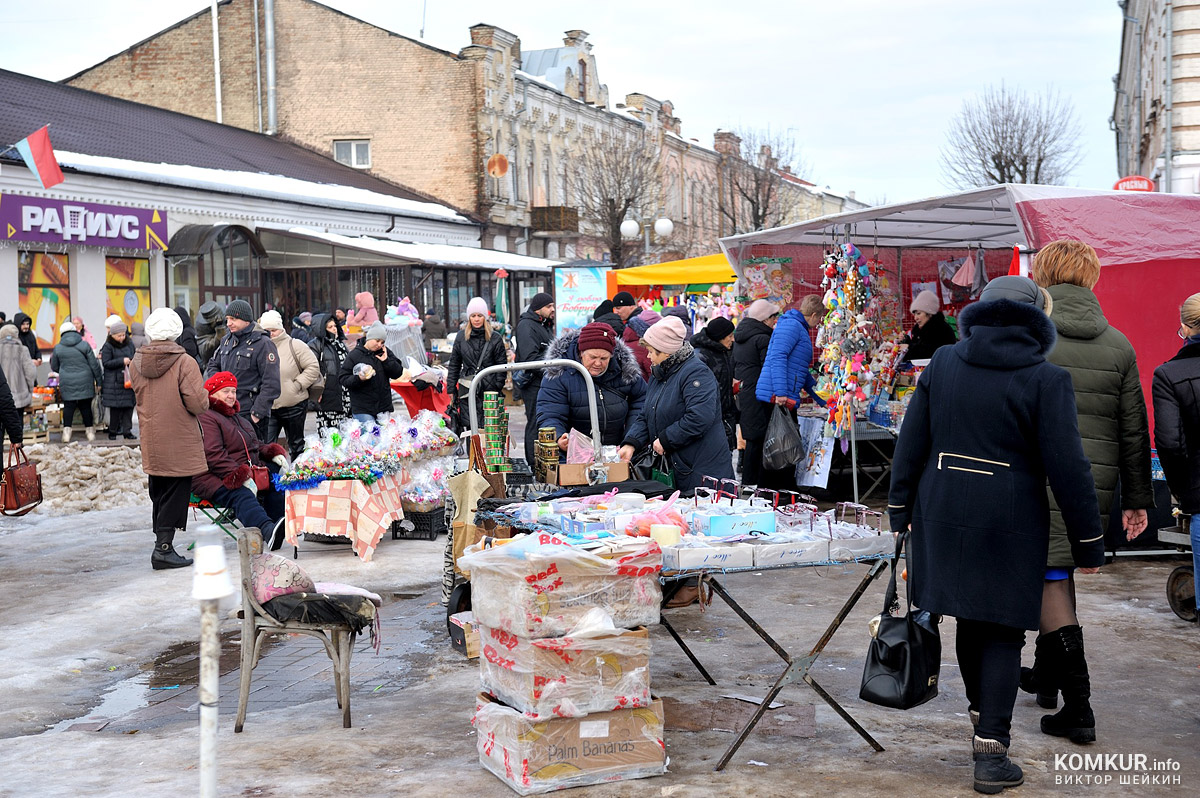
{"x": 631, "y": 227}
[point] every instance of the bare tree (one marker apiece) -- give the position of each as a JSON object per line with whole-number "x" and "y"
{"x": 1008, "y": 136}
{"x": 761, "y": 182}
{"x": 611, "y": 175}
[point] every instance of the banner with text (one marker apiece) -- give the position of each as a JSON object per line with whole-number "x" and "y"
{"x": 49, "y": 221}
{"x": 577, "y": 292}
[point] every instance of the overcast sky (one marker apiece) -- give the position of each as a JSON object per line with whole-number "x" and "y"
{"x": 867, "y": 87}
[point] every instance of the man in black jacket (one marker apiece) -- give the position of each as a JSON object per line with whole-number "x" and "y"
{"x": 248, "y": 354}
{"x": 367, "y": 373}
{"x": 750, "y": 342}
{"x": 535, "y": 331}
{"x": 27, "y": 336}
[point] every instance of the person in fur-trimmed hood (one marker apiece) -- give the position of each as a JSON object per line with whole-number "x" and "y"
{"x": 562, "y": 402}
{"x": 992, "y": 422}
{"x": 231, "y": 447}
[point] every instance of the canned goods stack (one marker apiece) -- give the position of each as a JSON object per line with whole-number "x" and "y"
{"x": 546, "y": 454}
{"x": 495, "y": 433}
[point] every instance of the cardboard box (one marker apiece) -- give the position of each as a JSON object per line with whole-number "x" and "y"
{"x": 576, "y": 474}
{"x": 705, "y": 521}
{"x": 566, "y": 677}
{"x": 535, "y": 756}
{"x": 716, "y": 555}
{"x": 768, "y": 554}
{"x": 841, "y": 549}
{"x": 464, "y": 634}
{"x": 583, "y": 524}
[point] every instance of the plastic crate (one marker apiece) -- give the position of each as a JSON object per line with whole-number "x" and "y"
{"x": 420, "y": 526}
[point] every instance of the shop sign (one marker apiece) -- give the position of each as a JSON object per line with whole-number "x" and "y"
{"x": 49, "y": 221}
{"x": 1134, "y": 183}
{"x": 577, "y": 292}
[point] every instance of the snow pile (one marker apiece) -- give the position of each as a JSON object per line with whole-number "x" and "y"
{"x": 77, "y": 478}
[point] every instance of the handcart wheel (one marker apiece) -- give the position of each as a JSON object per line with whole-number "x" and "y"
{"x": 1181, "y": 593}
{"x": 460, "y": 601}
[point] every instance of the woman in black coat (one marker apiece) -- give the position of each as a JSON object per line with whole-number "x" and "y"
{"x": 682, "y": 408}
{"x": 930, "y": 331}
{"x": 475, "y": 348}
{"x": 115, "y": 356}
{"x": 366, "y": 375}
{"x": 750, "y": 342}
{"x": 187, "y": 339}
{"x": 331, "y": 353}
{"x": 1176, "y": 390}
{"x": 990, "y": 424}
{"x": 712, "y": 345}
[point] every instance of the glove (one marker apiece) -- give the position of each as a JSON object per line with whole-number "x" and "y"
{"x": 249, "y": 484}
{"x": 280, "y": 461}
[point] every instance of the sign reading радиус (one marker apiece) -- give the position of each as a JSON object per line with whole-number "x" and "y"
{"x": 49, "y": 221}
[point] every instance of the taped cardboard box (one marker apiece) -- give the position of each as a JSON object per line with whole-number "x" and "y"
{"x": 464, "y": 634}
{"x": 716, "y": 555}
{"x": 768, "y": 554}
{"x": 567, "y": 676}
{"x": 536, "y": 756}
{"x": 577, "y": 474}
{"x": 540, "y": 586}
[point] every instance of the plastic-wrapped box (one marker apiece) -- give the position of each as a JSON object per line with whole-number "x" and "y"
{"x": 535, "y": 756}
{"x": 697, "y": 552}
{"x": 790, "y": 553}
{"x": 567, "y": 676}
{"x": 541, "y": 586}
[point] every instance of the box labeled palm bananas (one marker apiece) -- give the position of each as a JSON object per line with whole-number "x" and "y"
{"x": 541, "y": 586}
{"x": 596, "y": 668}
{"x": 534, "y": 756}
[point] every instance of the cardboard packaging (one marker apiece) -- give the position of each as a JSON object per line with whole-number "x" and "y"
{"x": 464, "y": 634}
{"x": 848, "y": 548}
{"x": 536, "y": 756}
{"x": 567, "y": 676}
{"x": 715, "y": 555}
{"x": 705, "y": 521}
{"x": 769, "y": 554}
{"x": 576, "y": 474}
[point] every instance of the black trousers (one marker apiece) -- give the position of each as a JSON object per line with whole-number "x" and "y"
{"x": 169, "y": 496}
{"x": 529, "y": 397}
{"x": 989, "y": 656}
{"x": 85, "y": 410}
{"x": 260, "y": 429}
{"x": 753, "y": 472}
{"x": 291, "y": 421}
{"x": 120, "y": 420}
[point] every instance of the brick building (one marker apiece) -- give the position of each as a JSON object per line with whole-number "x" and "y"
{"x": 432, "y": 120}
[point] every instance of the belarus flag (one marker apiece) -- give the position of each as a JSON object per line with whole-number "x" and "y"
{"x": 38, "y": 155}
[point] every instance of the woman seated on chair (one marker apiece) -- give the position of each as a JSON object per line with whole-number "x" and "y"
{"x": 231, "y": 447}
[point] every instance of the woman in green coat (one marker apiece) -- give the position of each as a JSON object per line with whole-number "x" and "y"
{"x": 1116, "y": 439}
{"x": 78, "y": 373}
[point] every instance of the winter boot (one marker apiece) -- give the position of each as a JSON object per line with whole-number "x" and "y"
{"x": 994, "y": 771}
{"x": 164, "y": 555}
{"x": 1040, "y": 678}
{"x": 1075, "y": 720}
{"x": 66, "y": 438}
{"x": 91, "y": 433}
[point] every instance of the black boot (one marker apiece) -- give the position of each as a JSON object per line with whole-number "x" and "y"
{"x": 1040, "y": 678}
{"x": 164, "y": 555}
{"x": 994, "y": 771}
{"x": 1075, "y": 720}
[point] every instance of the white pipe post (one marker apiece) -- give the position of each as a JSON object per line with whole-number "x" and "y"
{"x": 216, "y": 59}
{"x": 210, "y": 584}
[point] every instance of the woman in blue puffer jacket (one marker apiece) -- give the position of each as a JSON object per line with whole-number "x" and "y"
{"x": 789, "y": 355}
{"x": 562, "y": 401}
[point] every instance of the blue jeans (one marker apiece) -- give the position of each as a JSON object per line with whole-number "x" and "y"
{"x": 365, "y": 418}
{"x": 261, "y": 511}
{"x": 1195, "y": 530}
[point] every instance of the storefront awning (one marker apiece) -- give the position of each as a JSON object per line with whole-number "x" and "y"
{"x": 705, "y": 269}
{"x": 198, "y": 239}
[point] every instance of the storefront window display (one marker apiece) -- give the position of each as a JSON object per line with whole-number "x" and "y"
{"x": 127, "y": 281}
{"x": 44, "y": 292}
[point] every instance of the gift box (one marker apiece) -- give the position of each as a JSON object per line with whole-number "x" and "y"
{"x": 716, "y": 521}
{"x": 535, "y": 756}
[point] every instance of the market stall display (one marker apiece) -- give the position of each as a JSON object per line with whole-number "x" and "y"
{"x": 354, "y": 480}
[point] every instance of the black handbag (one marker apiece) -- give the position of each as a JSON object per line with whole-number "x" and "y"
{"x": 905, "y": 657}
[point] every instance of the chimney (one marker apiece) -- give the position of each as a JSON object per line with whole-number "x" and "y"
{"x": 727, "y": 142}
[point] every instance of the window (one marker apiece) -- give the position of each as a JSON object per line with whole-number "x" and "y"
{"x": 44, "y": 293}
{"x": 127, "y": 281}
{"x": 353, "y": 152}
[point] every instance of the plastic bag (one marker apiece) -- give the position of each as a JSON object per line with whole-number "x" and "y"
{"x": 579, "y": 448}
{"x": 783, "y": 447}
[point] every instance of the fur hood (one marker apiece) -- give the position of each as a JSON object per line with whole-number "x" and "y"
{"x": 623, "y": 364}
{"x": 1004, "y": 334}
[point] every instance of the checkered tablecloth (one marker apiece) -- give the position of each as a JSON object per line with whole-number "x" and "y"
{"x": 348, "y": 508}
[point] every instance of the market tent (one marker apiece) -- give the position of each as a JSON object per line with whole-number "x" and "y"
{"x": 704, "y": 269}
{"x": 1147, "y": 243}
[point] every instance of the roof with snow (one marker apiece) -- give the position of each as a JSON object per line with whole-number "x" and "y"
{"x": 550, "y": 65}
{"x": 98, "y": 126}
{"x": 435, "y": 254}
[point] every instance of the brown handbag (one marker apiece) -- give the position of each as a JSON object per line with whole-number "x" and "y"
{"x": 260, "y": 474}
{"x": 20, "y": 485}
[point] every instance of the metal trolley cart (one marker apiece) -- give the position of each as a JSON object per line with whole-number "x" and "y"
{"x": 1181, "y": 585}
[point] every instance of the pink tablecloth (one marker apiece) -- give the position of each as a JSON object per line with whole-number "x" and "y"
{"x": 348, "y": 508}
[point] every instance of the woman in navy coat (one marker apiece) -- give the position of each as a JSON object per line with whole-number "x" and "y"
{"x": 990, "y": 424}
{"x": 682, "y": 416}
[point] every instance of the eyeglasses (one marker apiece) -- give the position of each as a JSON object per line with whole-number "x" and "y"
{"x": 1182, "y": 335}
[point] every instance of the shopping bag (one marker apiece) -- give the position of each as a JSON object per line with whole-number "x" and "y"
{"x": 904, "y": 659}
{"x": 128, "y": 382}
{"x": 20, "y": 485}
{"x": 660, "y": 471}
{"x": 783, "y": 447}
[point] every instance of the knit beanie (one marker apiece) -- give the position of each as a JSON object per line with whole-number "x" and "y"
{"x": 66, "y": 327}
{"x": 271, "y": 320}
{"x": 9, "y": 330}
{"x": 222, "y": 379}
{"x": 306, "y": 317}
{"x": 927, "y": 302}
{"x": 240, "y": 309}
{"x": 597, "y": 335}
{"x": 164, "y": 324}
{"x": 624, "y": 299}
{"x": 603, "y": 309}
{"x": 1014, "y": 288}
{"x": 477, "y": 305}
{"x": 666, "y": 335}
{"x": 111, "y": 320}
{"x": 117, "y": 327}
{"x": 719, "y": 328}
{"x": 540, "y": 301}
{"x": 377, "y": 332}
{"x": 642, "y": 321}
{"x": 761, "y": 310}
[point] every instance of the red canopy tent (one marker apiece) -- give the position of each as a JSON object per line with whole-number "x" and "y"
{"x": 1148, "y": 244}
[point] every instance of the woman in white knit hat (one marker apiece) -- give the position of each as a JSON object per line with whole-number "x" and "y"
{"x": 475, "y": 348}
{"x": 930, "y": 330}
